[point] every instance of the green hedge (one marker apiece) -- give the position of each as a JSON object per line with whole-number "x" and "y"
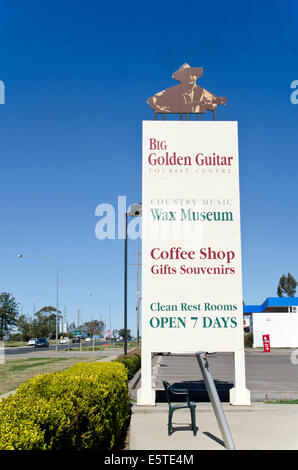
{"x": 131, "y": 361}
{"x": 82, "y": 407}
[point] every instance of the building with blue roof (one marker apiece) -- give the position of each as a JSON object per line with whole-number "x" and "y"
{"x": 273, "y": 304}
{"x": 276, "y": 316}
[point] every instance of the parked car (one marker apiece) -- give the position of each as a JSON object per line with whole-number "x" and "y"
{"x": 41, "y": 343}
{"x": 63, "y": 341}
{"x": 88, "y": 340}
{"x": 76, "y": 339}
{"x": 31, "y": 341}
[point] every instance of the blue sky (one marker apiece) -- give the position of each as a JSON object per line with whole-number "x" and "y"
{"x": 77, "y": 77}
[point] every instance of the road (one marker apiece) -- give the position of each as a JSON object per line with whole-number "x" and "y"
{"x": 27, "y": 350}
{"x": 269, "y": 375}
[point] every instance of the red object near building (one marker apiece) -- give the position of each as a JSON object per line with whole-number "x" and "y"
{"x": 266, "y": 343}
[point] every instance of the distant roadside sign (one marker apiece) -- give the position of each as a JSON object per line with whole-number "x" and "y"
{"x": 266, "y": 343}
{"x": 77, "y": 333}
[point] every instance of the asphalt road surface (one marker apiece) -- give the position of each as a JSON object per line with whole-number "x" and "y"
{"x": 265, "y": 373}
{"x": 32, "y": 350}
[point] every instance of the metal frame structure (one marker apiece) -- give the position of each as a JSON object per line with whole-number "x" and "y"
{"x": 183, "y": 114}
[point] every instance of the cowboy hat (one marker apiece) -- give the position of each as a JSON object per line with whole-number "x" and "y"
{"x": 185, "y": 71}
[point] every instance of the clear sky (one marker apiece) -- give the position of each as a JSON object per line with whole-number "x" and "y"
{"x": 77, "y": 76}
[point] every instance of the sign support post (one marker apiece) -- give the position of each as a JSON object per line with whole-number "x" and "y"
{"x": 239, "y": 394}
{"x": 146, "y": 394}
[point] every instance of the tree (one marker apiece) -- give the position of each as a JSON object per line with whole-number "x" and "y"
{"x": 25, "y": 327}
{"x": 94, "y": 327}
{"x": 287, "y": 285}
{"x": 122, "y": 333}
{"x": 8, "y": 313}
{"x": 44, "y": 323}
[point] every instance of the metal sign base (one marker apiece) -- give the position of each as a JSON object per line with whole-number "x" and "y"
{"x": 214, "y": 398}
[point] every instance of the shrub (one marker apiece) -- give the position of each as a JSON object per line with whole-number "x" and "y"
{"x": 248, "y": 340}
{"x": 83, "y": 407}
{"x": 131, "y": 361}
{"x": 15, "y": 337}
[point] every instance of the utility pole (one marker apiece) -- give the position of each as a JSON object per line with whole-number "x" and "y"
{"x": 110, "y": 322}
{"x": 138, "y": 296}
{"x": 79, "y": 312}
{"x": 64, "y": 320}
{"x": 91, "y": 327}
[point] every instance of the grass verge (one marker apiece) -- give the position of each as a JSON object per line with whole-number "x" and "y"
{"x": 15, "y": 344}
{"x": 16, "y": 371}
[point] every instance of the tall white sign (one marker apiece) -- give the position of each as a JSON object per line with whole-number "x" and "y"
{"x": 191, "y": 254}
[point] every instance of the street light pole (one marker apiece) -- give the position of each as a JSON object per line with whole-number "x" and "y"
{"x": 125, "y": 287}
{"x": 135, "y": 211}
{"x": 57, "y": 302}
{"x": 138, "y": 296}
{"x": 138, "y": 300}
{"x": 57, "y": 287}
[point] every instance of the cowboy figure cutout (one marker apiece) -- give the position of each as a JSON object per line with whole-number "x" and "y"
{"x": 187, "y": 97}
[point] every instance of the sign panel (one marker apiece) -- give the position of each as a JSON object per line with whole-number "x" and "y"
{"x": 191, "y": 269}
{"x": 266, "y": 343}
